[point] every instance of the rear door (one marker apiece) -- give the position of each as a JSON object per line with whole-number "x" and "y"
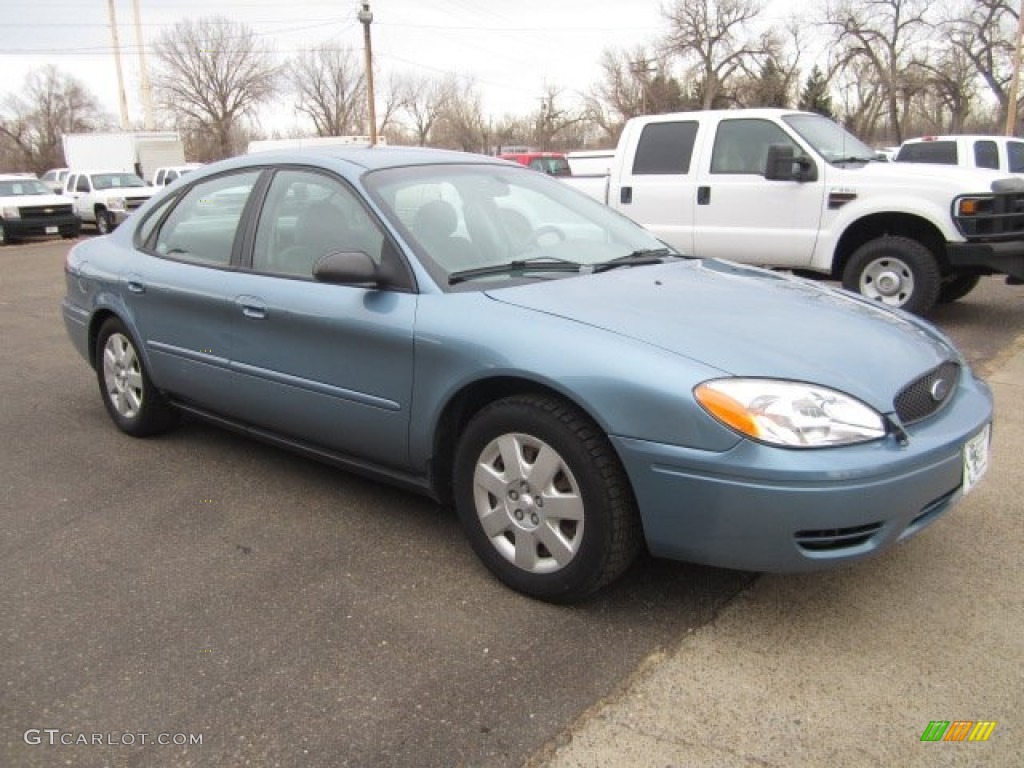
{"x": 657, "y": 182}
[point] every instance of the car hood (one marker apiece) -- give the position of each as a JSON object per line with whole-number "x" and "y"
{"x": 749, "y": 322}
{"x": 959, "y": 178}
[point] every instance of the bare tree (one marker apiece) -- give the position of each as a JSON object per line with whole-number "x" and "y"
{"x": 462, "y": 125}
{"x": 331, "y": 87}
{"x": 949, "y": 89}
{"x": 884, "y": 33}
{"x": 985, "y": 31}
{"x": 715, "y": 35}
{"x": 51, "y": 103}
{"x": 425, "y": 101}
{"x": 213, "y": 74}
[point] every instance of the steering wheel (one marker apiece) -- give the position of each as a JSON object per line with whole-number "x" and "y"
{"x": 546, "y": 236}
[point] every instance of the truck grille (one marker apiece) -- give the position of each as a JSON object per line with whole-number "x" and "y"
{"x": 999, "y": 217}
{"x": 131, "y": 203}
{"x": 44, "y": 211}
{"x": 924, "y": 396}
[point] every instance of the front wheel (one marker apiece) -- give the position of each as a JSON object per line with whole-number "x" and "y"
{"x": 104, "y": 221}
{"x": 956, "y": 287}
{"x": 543, "y": 498}
{"x": 134, "y": 404}
{"x": 896, "y": 271}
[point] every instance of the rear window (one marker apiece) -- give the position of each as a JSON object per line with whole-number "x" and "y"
{"x": 937, "y": 152}
{"x": 665, "y": 148}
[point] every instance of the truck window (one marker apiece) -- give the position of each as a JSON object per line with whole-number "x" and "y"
{"x": 1015, "y": 156}
{"x": 665, "y": 148}
{"x": 741, "y": 146}
{"x": 83, "y": 184}
{"x": 986, "y": 155}
{"x": 935, "y": 152}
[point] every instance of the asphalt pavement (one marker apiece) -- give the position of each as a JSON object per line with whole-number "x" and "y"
{"x": 851, "y": 667}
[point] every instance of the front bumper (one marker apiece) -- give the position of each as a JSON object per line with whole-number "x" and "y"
{"x": 42, "y": 226}
{"x": 761, "y": 508}
{"x": 1003, "y": 258}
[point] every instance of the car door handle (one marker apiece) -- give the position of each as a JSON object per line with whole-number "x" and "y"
{"x": 703, "y": 195}
{"x": 252, "y": 307}
{"x": 134, "y": 284}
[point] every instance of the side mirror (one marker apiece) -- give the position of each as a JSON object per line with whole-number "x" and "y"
{"x": 783, "y": 165}
{"x": 347, "y": 268}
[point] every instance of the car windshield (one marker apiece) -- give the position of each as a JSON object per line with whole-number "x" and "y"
{"x": 23, "y": 187}
{"x": 116, "y": 180}
{"x": 488, "y": 223}
{"x": 831, "y": 140}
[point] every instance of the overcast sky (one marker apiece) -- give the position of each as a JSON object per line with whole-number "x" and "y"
{"x": 512, "y": 49}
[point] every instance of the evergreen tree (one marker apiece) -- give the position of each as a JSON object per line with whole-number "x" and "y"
{"x": 815, "y": 96}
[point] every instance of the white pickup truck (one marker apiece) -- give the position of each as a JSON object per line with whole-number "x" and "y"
{"x": 794, "y": 190}
{"x": 106, "y": 198}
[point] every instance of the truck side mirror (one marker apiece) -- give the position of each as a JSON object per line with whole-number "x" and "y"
{"x": 782, "y": 164}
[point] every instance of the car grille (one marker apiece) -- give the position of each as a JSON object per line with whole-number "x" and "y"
{"x": 831, "y": 539}
{"x": 44, "y": 211}
{"x": 924, "y": 396}
{"x": 1001, "y": 219}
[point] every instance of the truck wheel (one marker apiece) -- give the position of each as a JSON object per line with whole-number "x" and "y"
{"x": 104, "y": 225}
{"x": 897, "y": 271}
{"x": 3, "y": 236}
{"x": 956, "y": 287}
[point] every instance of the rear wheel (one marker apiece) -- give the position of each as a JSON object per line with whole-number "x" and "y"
{"x": 956, "y": 287}
{"x": 896, "y": 271}
{"x": 543, "y": 498}
{"x": 134, "y": 404}
{"x": 3, "y": 236}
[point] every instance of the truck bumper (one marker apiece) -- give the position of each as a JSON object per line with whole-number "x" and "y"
{"x": 48, "y": 226}
{"x": 1005, "y": 258}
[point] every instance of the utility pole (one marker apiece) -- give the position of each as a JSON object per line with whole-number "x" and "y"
{"x": 147, "y": 91}
{"x": 366, "y": 17}
{"x": 1011, "y": 101}
{"x": 117, "y": 62}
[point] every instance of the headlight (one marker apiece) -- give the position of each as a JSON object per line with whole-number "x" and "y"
{"x": 790, "y": 413}
{"x": 116, "y": 204}
{"x": 973, "y": 206}
{"x": 12, "y": 212}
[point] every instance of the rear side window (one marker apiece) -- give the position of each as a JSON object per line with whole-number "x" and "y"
{"x": 665, "y": 148}
{"x": 935, "y": 152}
{"x": 202, "y": 226}
{"x": 1015, "y": 156}
{"x": 986, "y": 154}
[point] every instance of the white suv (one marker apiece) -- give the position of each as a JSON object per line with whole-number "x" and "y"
{"x": 106, "y": 198}
{"x": 1000, "y": 153}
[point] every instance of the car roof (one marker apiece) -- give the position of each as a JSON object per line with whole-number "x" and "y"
{"x": 368, "y": 158}
{"x": 958, "y": 136}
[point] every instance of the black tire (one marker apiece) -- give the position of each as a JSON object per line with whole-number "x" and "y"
{"x": 104, "y": 221}
{"x": 3, "y": 236}
{"x": 896, "y": 271}
{"x": 956, "y": 287}
{"x": 134, "y": 404}
{"x": 567, "y": 513}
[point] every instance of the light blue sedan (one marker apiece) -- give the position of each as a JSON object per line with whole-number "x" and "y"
{"x": 483, "y": 334}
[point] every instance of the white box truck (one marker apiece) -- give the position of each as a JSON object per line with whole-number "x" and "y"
{"x": 140, "y": 152}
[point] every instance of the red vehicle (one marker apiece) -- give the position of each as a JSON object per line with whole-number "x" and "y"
{"x": 551, "y": 163}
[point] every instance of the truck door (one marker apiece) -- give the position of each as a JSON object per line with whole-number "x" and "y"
{"x": 743, "y": 216}
{"x": 657, "y": 181}
{"x": 80, "y": 190}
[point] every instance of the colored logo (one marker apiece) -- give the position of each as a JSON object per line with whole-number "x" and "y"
{"x": 958, "y": 730}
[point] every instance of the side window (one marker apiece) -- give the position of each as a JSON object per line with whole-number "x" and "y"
{"x": 83, "y": 184}
{"x": 145, "y": 230}
{"x": 936, "y": 152}
{"x": 665, "y": 148}
{"x": 307, "y": 216}
{"x": 1015, "y": 156}
{"x": 986, "y": 155}
{"x": 202, "y": 226}
{"x": 741, "y": 146}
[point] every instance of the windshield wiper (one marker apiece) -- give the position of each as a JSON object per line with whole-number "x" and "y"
{"x": 634, "y": 259}
{"x": 516, "y": 267}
